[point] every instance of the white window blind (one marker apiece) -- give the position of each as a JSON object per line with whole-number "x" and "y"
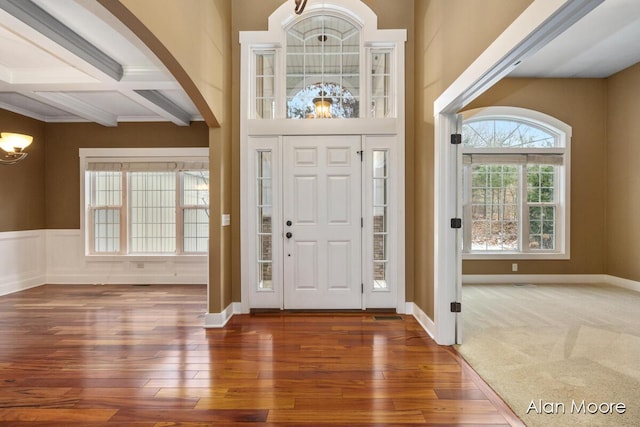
{"x": 146, "y": 166}
{"x": 513, "y": 159}
{"x": 147, "y": 207}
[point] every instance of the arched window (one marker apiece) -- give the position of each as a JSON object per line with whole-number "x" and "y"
{"x": 323, "y": 68}
{"x": 516, "y": 186}
{"x": 326, "y": 63}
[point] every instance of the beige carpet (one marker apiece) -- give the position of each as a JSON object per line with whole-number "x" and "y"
{"x": 554, "y": 346}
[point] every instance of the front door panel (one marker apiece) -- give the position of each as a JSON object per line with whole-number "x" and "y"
{"x": 322, "y": 202}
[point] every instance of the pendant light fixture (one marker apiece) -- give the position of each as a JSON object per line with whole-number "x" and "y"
{"x": 12, "y": 146}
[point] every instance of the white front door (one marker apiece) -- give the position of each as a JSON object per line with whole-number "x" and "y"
{"x": 322, "y": 222}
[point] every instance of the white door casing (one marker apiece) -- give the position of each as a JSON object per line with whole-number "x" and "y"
{"x": 269, "y": 132}
{"x": 322, "y": 202}
{"x": 315, "y": 180}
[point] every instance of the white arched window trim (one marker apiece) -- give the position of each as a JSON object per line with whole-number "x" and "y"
{"x": 562, "y": 131}
{"x": 274, "y": 41}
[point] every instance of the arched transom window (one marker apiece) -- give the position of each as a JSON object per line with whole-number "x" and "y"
{"x": 323, "y": 68}
{"x": 515, "y": 182}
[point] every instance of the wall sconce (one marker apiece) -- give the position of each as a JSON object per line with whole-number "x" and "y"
{"x": 13, "y": 145}
{"x": 322, "y": 106}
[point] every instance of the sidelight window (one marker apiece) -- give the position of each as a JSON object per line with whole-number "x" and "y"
{"x": 380, "y": 209}
{"x": 264, "y": 210}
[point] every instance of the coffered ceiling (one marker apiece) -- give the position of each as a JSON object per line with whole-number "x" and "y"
{"x": 72, "y": 61}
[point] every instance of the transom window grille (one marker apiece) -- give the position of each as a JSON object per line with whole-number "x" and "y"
{"x": 147, "y": 208}
{"x": 323, "y": 68}
{"x": 322, "y": 72}
{"x": 265, "y": 80}
{"x": 381, "y": 83}
{"x": 515, "y": 186}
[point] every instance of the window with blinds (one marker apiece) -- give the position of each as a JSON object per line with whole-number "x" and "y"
{"x": 137, "y": 208}
{"x": 515, "y": 184}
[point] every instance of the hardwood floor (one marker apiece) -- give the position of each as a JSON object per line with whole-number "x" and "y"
{"x": 139, "y": 356}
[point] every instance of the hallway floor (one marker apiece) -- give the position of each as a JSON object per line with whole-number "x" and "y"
{"x": 139, "y": 356}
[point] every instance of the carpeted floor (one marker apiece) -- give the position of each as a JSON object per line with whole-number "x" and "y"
{"x": 547, "y": 348}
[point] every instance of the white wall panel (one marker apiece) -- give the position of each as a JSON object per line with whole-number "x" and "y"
{"x": 22, "y": 260}
{"x": 67, "y": 264}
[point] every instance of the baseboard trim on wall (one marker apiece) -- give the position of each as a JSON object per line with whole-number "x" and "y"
{"x": 21, "y": 284}
{"x": 551, "y": 278}
{"x": 623, "y": 283}
{"x": 123, "y": 279}
{"x": 534, "y": 278}
{"x": 422, "y": 318}
{"x": 219, "y": 320}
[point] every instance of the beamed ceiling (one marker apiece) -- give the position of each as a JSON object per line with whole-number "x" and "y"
{"x": 72, "y": 61}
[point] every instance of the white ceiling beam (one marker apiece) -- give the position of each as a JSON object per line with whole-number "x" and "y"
{"x": 161, "y": 105}
{"x": 69, "y": 103}
{"x": 40, "y": 20}
{"x": 22, "y": 111}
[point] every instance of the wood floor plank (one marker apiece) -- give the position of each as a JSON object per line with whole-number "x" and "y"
{"x": 69, "y": 415}
{"x": 247, "y": 402}
{"x": 340, "y": 404}
{"x": 345, "y": 417}
{"x": 212, "y": 416}
{"x": 139, "y": 357}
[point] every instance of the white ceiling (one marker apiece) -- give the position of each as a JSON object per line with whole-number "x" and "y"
{"x": 40, "y": 78}
{"x": 605, "y": 41}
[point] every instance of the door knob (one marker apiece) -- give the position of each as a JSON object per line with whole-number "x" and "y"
{"x": 289, "y": 234}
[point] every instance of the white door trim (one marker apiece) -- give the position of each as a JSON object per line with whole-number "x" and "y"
{"x": 396, "y": 244}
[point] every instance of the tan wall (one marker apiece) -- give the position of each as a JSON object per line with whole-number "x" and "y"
{"x": 241, "y": 21}
{"x": 193, "y": 40}
{"x": 581, "y": 103}
{"x": 623, "y": 174}
{"x": 62, "y": 162}
{"x": 190, "y": 38}
{"x": 396, "y": 14}
{"x": 450, "y": 35}
{"x": 22, "y": 184}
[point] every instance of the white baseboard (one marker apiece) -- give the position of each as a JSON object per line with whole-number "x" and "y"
{"x": 98, "y": 278}
{"x": 623, "y": 283}
{"x": 66, "y": 263}
{"x": 219, "y": 320}
{"x": 422, "y": 318}
{"x": 20, "y": 284}
{"x": 534, "y": 278}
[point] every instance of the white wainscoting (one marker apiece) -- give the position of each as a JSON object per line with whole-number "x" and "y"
{"x": 66, "y": 263}
{"x": 35, "y": 257}
{"x": 22, "y": 260}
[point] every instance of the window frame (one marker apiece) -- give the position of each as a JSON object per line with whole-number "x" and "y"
{"x": 135, "y": 155}
{"x": 562, "y": 133}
